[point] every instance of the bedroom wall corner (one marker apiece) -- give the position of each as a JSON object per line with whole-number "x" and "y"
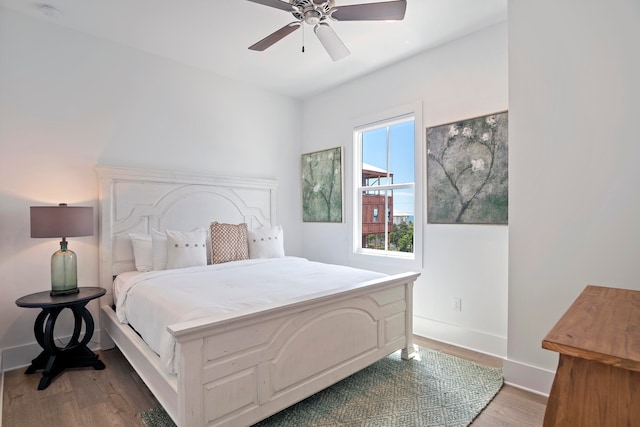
{"x": 527, "y": 377}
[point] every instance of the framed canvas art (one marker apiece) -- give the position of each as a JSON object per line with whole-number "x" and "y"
{"x": 467, "y": 171}
{"x": 322, "y": 186}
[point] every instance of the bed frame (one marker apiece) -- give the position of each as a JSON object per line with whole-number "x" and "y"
{"x": 242, "y": 368}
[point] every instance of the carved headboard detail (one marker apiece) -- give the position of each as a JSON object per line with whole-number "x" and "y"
{"x": 137, "y": 200}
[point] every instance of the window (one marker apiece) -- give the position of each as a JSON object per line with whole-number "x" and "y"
{"x": 385, "y": 165}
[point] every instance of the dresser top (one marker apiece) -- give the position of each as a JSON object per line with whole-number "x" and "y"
{"x": 602, "y": 324}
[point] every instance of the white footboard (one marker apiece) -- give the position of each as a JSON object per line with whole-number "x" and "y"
{"x": 241, "y": 370}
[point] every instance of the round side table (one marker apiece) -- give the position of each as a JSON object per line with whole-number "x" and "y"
{"x": 53, "y": 359}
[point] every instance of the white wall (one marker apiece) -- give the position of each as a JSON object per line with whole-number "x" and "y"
{"x": 69, "y": 102}
{"x": 462, "y": 79}
{"x": 574, "y": 148}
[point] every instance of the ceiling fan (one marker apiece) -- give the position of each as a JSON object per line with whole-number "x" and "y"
{"x": 318, "y": 12}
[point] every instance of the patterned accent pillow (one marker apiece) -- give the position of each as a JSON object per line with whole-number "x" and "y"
{"x": 228, "y": 242}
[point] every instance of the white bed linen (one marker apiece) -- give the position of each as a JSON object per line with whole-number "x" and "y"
{"x": 151, "y": 301}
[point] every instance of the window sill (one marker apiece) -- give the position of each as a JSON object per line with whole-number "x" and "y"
{"x": 386, "y": 254}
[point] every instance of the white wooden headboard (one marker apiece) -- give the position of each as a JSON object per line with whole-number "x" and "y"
{"x": 137, "y": 200}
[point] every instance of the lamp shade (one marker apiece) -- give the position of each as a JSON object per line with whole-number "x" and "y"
{"x": 61, "y": 221}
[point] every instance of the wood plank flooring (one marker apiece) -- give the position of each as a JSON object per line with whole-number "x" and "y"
{"x": 115, "y": 396}
{"x": 78, "y": 397}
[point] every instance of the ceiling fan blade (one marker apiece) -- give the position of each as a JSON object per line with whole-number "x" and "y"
{"x": 384, "y": 11}
{"x": 275, "y": 36}
{"x": 278, "y": 4}
{"x": 331, "y": 42}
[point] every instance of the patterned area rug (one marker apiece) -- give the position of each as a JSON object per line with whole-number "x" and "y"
{"x": 435, "y": 389}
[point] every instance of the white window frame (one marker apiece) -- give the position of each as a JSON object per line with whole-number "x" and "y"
{"x": 395, "y": 116}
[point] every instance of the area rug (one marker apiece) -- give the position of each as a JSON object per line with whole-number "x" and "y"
{"x": 434, "y": 389}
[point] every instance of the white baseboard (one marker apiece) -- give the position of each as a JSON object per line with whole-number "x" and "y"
{"x": 21, "y": 356}
{"x": 516, "y": 374}
{"x": 527, "y": 377}
{"x": 479, "y": 341}
{"x": 106, "y": 343}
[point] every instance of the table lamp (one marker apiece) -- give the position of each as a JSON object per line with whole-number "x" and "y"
{"x": 62, "y": 221}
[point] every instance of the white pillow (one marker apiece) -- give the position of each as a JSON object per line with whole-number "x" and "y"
{"x": 186, "y": 248}
{"x": 142, "y": 251}
{"x": 266, "y": 242}
{"x": 160, "y": 256}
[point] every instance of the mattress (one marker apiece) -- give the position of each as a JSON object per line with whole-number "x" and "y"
{"x": 151, "y": 301}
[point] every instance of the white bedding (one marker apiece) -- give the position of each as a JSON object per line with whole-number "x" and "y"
{"x": 151, "y": 301}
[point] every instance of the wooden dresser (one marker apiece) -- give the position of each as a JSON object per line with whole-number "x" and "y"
{"x": 598, "y": 378}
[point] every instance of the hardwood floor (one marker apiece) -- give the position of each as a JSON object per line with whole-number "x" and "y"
{"x": 78, "y": 398}
{"x": 116, "y": 395}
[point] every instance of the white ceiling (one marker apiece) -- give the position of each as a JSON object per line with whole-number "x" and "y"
{"x": 214, "y": 35}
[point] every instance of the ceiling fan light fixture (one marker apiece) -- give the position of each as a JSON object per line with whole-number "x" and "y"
{"x": 331, "y": 42}
{"x": 312, "y": 17}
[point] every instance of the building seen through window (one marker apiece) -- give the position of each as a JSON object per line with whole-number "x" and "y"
{"x": 386, "y": 196}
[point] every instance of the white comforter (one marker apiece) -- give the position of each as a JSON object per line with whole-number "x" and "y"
{"x": 154, "y": 300}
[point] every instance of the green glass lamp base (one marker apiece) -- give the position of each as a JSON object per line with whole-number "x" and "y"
{"x": 64, "y": 271}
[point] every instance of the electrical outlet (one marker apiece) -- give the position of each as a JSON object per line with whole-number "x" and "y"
{"x": 456, "y": 304}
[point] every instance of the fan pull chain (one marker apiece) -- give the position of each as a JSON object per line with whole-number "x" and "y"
{"x": 303, "y": 39}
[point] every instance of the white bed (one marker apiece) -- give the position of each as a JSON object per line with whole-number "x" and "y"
{"x": 238, "y": 367}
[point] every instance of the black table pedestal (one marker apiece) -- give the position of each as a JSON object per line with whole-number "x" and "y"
{"x": 75, "y": 354}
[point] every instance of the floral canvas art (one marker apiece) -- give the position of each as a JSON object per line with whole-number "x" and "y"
{"x": 322, "y": 186}
{"x": 467, "y": 171}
